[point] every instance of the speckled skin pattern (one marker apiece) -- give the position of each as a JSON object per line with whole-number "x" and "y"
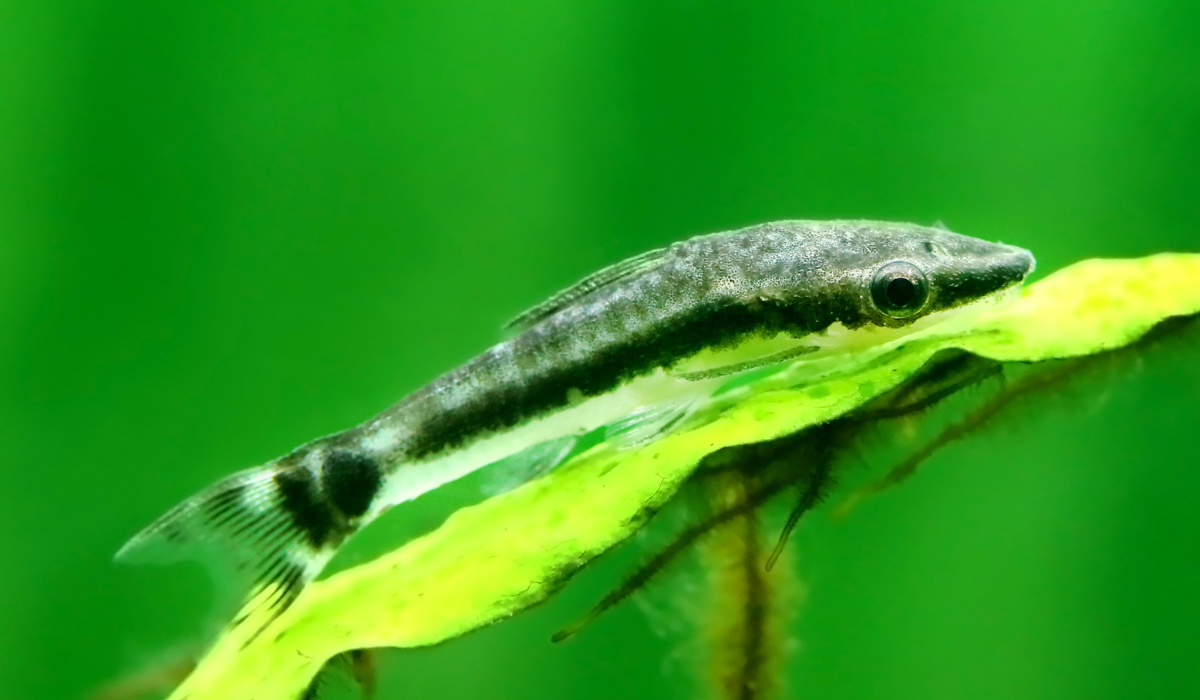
{"x": 797, "y": 277}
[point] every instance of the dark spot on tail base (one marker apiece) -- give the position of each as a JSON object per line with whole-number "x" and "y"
{"x": 310, "y": 513}
{"x": 350, "y": 482}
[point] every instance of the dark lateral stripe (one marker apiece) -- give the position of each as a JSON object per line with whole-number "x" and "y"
{"x": 506, "y": 406}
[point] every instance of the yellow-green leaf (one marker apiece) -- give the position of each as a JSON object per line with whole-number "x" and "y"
{"x": 497, "y": 558}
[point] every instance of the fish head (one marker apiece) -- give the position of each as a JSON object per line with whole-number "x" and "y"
{"x": 882, "y": 274}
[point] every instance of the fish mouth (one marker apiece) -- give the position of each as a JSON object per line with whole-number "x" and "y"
{"x": 1014, "y": 265}
{"x": 986, "y": 277}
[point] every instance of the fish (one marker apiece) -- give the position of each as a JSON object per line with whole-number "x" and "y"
{"x": 632, "y": 350}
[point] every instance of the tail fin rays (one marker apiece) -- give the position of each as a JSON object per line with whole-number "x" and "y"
{"x": 239, "y": 526}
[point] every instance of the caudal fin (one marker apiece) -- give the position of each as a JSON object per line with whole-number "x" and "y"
{"x": 257, "y": 525}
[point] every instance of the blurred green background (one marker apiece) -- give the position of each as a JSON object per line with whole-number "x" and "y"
{"x": 227, "y": 228}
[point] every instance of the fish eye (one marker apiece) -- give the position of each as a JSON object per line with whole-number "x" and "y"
{"x": 899, "y": 289}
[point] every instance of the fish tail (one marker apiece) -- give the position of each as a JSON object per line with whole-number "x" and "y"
{"x": 276, "y": 525}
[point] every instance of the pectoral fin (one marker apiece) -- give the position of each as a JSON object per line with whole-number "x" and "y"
{"x": 527, "y": 465}
{"x": 642, "y": 426}
{"x": 746, "y": 365}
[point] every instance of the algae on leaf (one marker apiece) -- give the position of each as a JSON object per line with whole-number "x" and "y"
{"x": 512, "y": 551}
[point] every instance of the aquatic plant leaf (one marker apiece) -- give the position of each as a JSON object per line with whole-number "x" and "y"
{"x": 512, "y": 551}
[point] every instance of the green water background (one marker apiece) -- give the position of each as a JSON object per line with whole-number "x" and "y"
{"x": 226, "y": 229}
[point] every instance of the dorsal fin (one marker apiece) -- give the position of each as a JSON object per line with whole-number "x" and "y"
{"x": 612, "y": 273}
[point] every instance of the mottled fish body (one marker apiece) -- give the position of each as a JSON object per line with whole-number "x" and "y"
{"x": 635, "y": 347}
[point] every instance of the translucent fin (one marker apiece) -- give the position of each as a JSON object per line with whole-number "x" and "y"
{"x": 756, "y": 363}
{"x": 645, "y": 425}
{"x": 247, "y": 529}
{"x": 625, "y": 268}
{"x": 527, "y": 465}
{"x": 359, "y": 666}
